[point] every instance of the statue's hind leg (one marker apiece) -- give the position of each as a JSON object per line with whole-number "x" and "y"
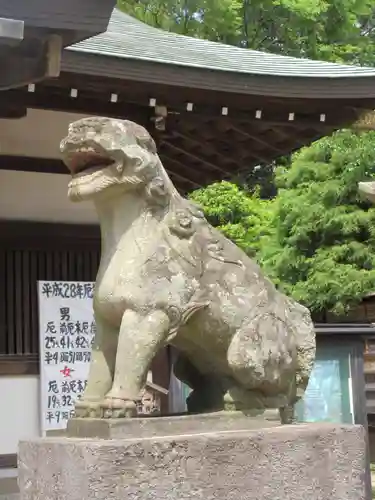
{"x": 207, "y": 393}
{"x": 240, "y": 398}
{"x": 140, "y": 338}
{"x": 263, "y": 367}
{"x": 101, "y": 370}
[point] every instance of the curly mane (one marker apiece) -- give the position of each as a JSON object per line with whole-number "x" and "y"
{"x": 161, "y": 194}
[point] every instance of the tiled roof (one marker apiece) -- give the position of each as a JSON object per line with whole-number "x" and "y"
{"x": 127, "y": 38}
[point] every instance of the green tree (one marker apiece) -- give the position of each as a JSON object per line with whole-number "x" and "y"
{"x": 316, "y": 239}
{"x": 339, "y": 30}
{"x": 322, "y": 246}
{"x": 242, "y": 217}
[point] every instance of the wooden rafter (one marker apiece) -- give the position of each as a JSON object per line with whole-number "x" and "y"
{"x": 223, "y": 133}
{"x": 204, "y": 145}
{"x": 291, "y": 145}
{"x": 194, "y": 157}
{"x": 168, "y": 160}
{"x": 239, "y": 130}
{"x": 252, "y": 156}
{"x": 215, "y": 149}
{"x": 172, "y": 172}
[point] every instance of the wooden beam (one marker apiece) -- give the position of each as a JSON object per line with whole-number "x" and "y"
{"x": 19, "y": 67}
{"x": 55, "y": 166}
{"x": 31, "y": 164}
{"x": 47, "y": 96}
{"x": 9, "y": 461}
{"x": 84, "y": 103}
{"x": 12, "y": 113}
{"x": 16, "y": 232}
{"x": 285, "y": 116}
{"x": 273, "y": 112}
{"x": 19, "y": 365}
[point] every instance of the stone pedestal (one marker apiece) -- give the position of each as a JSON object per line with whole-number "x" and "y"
{"x": 181, "y": 459}
{"x": 168, "y": 426}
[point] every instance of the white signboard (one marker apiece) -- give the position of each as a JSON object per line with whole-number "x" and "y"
{"x": 67, "y": 329}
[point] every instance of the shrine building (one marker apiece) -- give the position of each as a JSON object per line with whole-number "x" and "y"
{"x": 215, "y": 111}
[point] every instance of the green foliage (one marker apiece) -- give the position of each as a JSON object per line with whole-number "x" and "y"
{"x": 243, "y": 218}
{"x": 322, "y": 246}
{"x": 340, "y": 30}
{"x": 316, "y": 237}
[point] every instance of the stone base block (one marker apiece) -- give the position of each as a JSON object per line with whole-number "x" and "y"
{"x": 293, "y": 462}
{"x": 119, "y": 428}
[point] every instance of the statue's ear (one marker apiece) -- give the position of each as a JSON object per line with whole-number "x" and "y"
{"x": 137, "y": 160}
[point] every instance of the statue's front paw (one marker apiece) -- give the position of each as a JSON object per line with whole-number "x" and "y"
{"x": 118, "y": 408}
{"x": 86, "y": 409}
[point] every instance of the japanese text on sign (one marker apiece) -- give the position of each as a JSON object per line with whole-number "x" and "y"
{"x": 67, "y": 330}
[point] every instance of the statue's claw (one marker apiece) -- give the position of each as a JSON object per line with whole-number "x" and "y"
{"x": 118, "y": 408}
{"x": 87, "y": 409}
{"x": 238, "y": 399}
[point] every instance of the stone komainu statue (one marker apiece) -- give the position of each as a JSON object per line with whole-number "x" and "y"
{"x": 167, "y": 277}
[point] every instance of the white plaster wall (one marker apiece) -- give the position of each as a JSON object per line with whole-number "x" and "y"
{"x": 19, "y": 416}
{"x": 35, "y": 196}
{"x": 37, "y": 135}
{"x": 41, "y": 197}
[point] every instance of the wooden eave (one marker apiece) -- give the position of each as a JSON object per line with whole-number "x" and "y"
{"x": 221, "y": 120}
{"x": 207, "y": 136}
{"x": 73, "y": 20}
{"x": 221, "y": 81}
